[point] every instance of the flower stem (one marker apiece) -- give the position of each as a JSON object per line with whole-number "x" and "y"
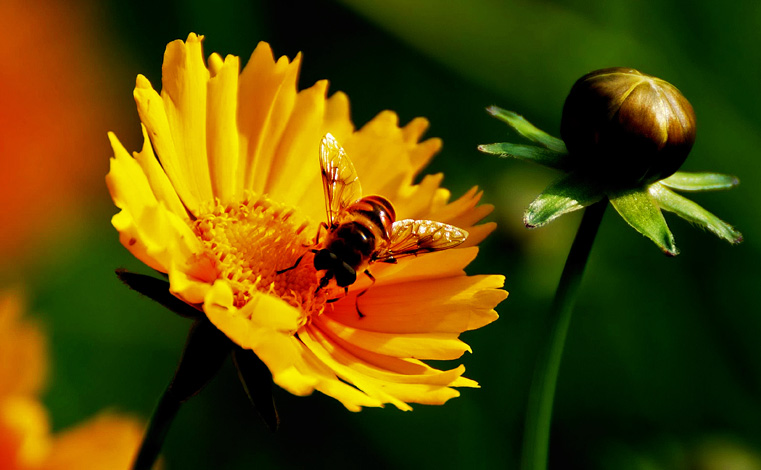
{"x": 162, "y": 419}
{"x": 205, "y": 351}
{"x": 542, "y": 392}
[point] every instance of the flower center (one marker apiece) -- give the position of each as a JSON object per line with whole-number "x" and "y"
{"x": 251, "y": 240}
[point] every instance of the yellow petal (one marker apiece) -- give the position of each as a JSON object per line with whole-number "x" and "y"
{"x": 264, "y": 325}
{"x": 465, "y": 211}
{"x": 380, "y": 155}
{"x": 337, "y": 119}
{"x": 155, "y": 236}
{"x": 24, "y": 429}
{"x": 421, "y": 152}
{"x": 422, "y": 393}
{"x": 261, "y": 316}
{"x": 415, "y": 202}
{"x": 295, "y": 174}
{"x": 184, "y": 94}
{"x": 441, "y": 346}
{"x": 22, "y": 348}
{"x": 152, "y": 111}
{"x": 397, "y": 389}
{"x": 108, "y": 441}
{"x": 153, "y": 233}
{"x": 440, "y": 264}
{"x": 159, "y": 182}
{"x": 222, "y": 131}
{"x": 307, "y": 364}
{"x": 372, "y": 387}
{"x": 403, "y": 370}
{"x": 126, "y": 181}
{"x": 454, "y": 304}
{"x": 266, "y": 96}
{"x": 192, "y": 283}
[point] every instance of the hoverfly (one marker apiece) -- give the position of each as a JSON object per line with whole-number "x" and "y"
{"x": 363, "y": 230}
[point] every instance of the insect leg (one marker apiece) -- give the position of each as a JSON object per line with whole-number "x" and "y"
{"x": 346, "y": 292}
{"x": 356, "y": 299}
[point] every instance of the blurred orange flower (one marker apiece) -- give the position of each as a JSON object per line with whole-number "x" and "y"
{"x": 109, "y": 441}
{"x": 53, "y": 97}
{"x": 235, "y": 196}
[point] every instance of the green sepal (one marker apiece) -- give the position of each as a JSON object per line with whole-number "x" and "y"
{"x": 529, "y": 153}
{"x": 638, "y": 208}
{"x": 527, "y": 130}
{"x": 570, "y": 193}
{"x": 692, "y": 212}
{"x": 205, "y": 351}
{"x": 692, "y": 182}
{"x": 256, "y": 379}
{"x": 157, "y": 290}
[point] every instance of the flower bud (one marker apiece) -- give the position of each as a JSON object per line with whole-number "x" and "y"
{"x": 626, "y": 127}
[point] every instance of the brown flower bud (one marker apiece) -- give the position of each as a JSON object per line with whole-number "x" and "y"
{"x": 627, "y": 127}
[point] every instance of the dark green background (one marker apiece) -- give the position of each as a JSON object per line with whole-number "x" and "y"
{"x": 663, "y": 359}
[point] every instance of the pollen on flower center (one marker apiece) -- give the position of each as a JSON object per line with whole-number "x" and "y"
{"x": 251, "y": 240}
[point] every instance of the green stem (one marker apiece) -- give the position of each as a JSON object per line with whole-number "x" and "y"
{"x": 205, "y": 351}
{"x": 537, "y": 431}
{"x": 162, "y": 419}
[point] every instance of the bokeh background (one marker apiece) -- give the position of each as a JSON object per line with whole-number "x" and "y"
{"x": 662, "y": 368}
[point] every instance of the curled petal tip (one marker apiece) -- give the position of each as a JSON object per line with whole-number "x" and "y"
{"x": 671, "y": 252}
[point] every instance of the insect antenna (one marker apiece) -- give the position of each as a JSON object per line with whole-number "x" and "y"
{"x": 298, "y": 260}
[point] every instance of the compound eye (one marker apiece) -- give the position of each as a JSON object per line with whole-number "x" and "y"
{"x": 345, "y": 275}
{"x": 324, "y": 259}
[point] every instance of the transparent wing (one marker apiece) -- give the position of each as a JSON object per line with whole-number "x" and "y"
{"x": 339, "y": 178}
{"x": 411, "y": 237}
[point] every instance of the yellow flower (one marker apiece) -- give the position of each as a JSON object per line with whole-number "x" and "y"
{"x": 106, "y": 442}
{"x": 227, "y": 191}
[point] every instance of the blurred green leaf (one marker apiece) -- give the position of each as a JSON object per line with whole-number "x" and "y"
{"x": 503, "y": 51}
{"x": 692, "y": 212}
{"x": 639, "y": 210}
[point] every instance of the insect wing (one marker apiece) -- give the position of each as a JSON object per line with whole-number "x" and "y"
{"x": 411, "y": 237}
{"x": 339, "y": 178}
